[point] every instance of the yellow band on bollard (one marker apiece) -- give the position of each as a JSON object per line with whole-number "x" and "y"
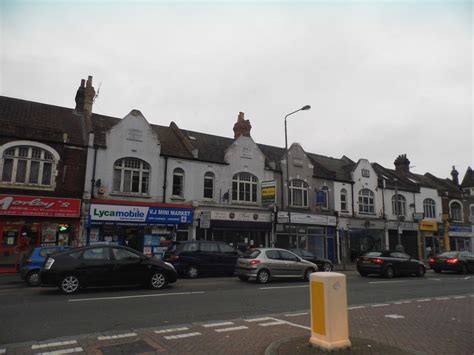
{"x": 318, "y": 312}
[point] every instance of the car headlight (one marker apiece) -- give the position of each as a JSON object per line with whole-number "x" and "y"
{"x": 170, "y": 265}
{"x": 49, "y": 262}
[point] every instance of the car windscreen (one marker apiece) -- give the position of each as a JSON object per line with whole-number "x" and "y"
{"x": 450, "y": 254}
{"x": 50, "y": 251}
{"x": 251, "y": 254}
{"x": 373, "y": 253}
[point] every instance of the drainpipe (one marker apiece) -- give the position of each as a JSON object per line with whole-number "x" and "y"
{"x": 92, "y": 196}
{"x": 387, "y": 241}
{"x": 165, "y": 181}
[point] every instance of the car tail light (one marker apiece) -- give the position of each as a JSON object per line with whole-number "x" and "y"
{"x": 49, "y": 262}
{"x": 452, "y": 261}
{"x": 377, "y": 261}
{"x": 254, "y": 262}
{"x": 431, "y": 260}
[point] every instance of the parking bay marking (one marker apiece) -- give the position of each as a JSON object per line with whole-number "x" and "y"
{"x": 63, "y": 351}
{"x": 211, "y": 325}
{"x": 179, "y": 336}
{"x": 51, "y": 345}
{"x": 134, "y": 296}
{"x": 279, "y": 287}
{"x": 171, "y": 330}
{"x": 231, "y": 329}
{"x": 384, "y": 282}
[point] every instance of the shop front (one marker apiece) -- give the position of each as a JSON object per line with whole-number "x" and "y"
{"x": 461, "y": 237}
{"x": 240, "y": 228}
{"x": 431, "y": 239}
{"x": 147, "y": 227}
{"x": 313, "y": 232}
{"x": 30, "y": 221}
{"x": 408, "y": 236}
{"x": 365, "y": 235}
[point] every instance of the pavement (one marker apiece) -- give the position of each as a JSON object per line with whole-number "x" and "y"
{"x": 438, "y": 325}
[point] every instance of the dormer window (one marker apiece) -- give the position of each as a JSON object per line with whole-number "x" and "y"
{"x": 365, "y": 173}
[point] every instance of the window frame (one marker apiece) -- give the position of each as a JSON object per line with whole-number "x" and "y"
{"x": 250, "y": 187}
{"x": 429, "y": 208}
{"x": 178, "y": 172}
{"x": 344, "y": 193}
{"x": 303, "y": 190}
{"x": 209, "y": 176}
{"x": 451, "y": 215}
{"x": 143, "y": 169}
{"x": 401, "y": 205}
{"x": 370, "y": 205}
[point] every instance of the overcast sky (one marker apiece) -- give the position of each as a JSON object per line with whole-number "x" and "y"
{"x": 383, "y": 78}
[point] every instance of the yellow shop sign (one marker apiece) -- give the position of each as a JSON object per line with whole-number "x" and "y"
{"x": 428, "y": 226}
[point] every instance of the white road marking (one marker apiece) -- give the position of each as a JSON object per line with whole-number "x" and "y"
{"x": 292, "y": 324}
{"x": 380, "y": 305}
{"x": 467, "y": 277}
{"x": 3, "y": 351}
{"x": 394, "y": 316}
{"x": 135, "y": 296}
{"x": 171, "y": 330}
{"x": 280, "y": 287}
{"x": 179, "y": 336}
{"x": 258, "y": 319}
{"x": 231, "y": 329}
{"x": 442, "y": 298}
{"x": 271, "y": 323}
{"x": 63, "y": 351}
{"x": 429, "y": 278}
{"x": 296, "y": 314}
{"x": 217, "y": 324}
{"x": 457, "y": 297}
{"x": 471, "y": 295}
{"x": 424, "y": 300}
{"x": 50, "y": 345}
{"x": 118, "y": 336}
{"x": 356, "y": 307}
{"x": 384, "y": 282}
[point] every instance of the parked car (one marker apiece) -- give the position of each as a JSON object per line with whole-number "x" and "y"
{"x": 31, "y": 263}
{"x": 264, "y": 264}
{"x": 193, "y": 258}
{"x": 460, "y": 261}
{"x": 323, "y": 264}
{"x": 389, "y": 264}
{"x": 104, "y": 266}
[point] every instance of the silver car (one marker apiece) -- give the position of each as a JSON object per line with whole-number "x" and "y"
{"x": 265, "y": 263}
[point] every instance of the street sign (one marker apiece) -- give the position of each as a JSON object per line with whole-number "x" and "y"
{"x": 268, "y": 192}
{"x": 205, "y": 219}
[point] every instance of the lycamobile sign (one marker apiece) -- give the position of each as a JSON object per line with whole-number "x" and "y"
{"x": 140, "y": 214}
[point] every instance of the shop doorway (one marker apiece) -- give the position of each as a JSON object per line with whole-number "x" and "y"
{"x": 10, "y": 237}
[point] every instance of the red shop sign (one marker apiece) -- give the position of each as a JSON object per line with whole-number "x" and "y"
{"x": 19, "y": 205}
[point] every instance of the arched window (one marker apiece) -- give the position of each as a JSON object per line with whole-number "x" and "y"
{"x": 366, "y": 201}
{"x": 244, "y": 187}
{"x": 455, "y": 211}
{"x": 344, "y": 200}
{"x": 399, "y": 208}
{"x": 29, "y": 165}
{"x": 131, "y": 175}
{"x": 298, "y": 193}
{"x": 178, "y": 182}
{"x": 429, "y": 208}
{"x": 209, "y": 185}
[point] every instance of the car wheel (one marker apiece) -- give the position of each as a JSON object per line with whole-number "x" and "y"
{"x": 157, "y": 281}
{"x": 464, "y": 269}
{"x": 263, "y": 276}
{"x": 327, "y": 267}
{"x": 438, "y": 271}
{"x": 307, "y": 274}
{"x": 69, "y": 285}
{"x": 192, "y": 272}
{"x": 389, "y": 273}
{"x": 243, "y": 278}
{"x": 33, "y": 279}
{"x": 363, "y": 274}
{"x": 421, "y": 271}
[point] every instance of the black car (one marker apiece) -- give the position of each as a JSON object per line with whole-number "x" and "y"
{"x": 460, "y": 261}
{"x": 389, "y": 264}
{"x": 193, "y": 258}
{"x": 323, "y": 264}
{"x": 104, "y": 266}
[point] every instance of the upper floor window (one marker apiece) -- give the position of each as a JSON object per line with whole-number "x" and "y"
{"x": 455, "y": 211}
{"x": 429, "y": 208}
{"x": 244, "y": 187}
{"x": 322, "y": 197}
{"x": 209, "y": 185}
{"x": 366, "y": 201}
{"x": 365, "y": 173}
{"x": 471, "y": 211}
{"x": 344, "y": 200}
{"x": 178, "y": 182}
{"x": 131, "y": 175}
{"x": 399, "y": 208}
{"x": 28, "y": 165}
{"x": 298, "y": 193}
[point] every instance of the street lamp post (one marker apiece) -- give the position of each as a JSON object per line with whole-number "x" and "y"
{"x": 304, "y": 108}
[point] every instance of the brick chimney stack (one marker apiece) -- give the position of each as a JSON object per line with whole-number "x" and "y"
{"x": 84, "y": 101}
{"x": 242, "y": 127}
{"x": 455, "y": 174}
{"x": 402, "y": 164}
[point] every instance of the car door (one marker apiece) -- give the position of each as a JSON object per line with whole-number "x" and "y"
{"x": 401, "y": 262}
{"x": 209, "y": 254}
{"x": 293, "y": 266}
{"x": 129, "y": 267}
{"x": 96, "y": 267}
{"x": 228, "y": 256}
{"x": 275, "y": 263}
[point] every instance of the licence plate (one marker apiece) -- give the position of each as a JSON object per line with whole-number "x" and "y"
{"x": 242, "y": 264}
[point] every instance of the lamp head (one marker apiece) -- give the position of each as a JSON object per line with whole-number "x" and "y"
{"x": 304, "y": 108}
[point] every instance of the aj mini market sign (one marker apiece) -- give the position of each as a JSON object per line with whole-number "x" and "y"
{"x": 19, "y": 205}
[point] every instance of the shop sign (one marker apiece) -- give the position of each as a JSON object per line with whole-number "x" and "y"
{"x": 19, "y": 205}
{"x": 428, "y": 226}
{"x": 302, "y": 218}
{"x": 366, "y": 224}
{"x": 241, "y": 216}
{"x": 140, "y": 214}
{"x": 457, "y": 230}
{"x": 268, "y": 192}
{"x": 408, "y": 226}
{"x": 205, "y": 221}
